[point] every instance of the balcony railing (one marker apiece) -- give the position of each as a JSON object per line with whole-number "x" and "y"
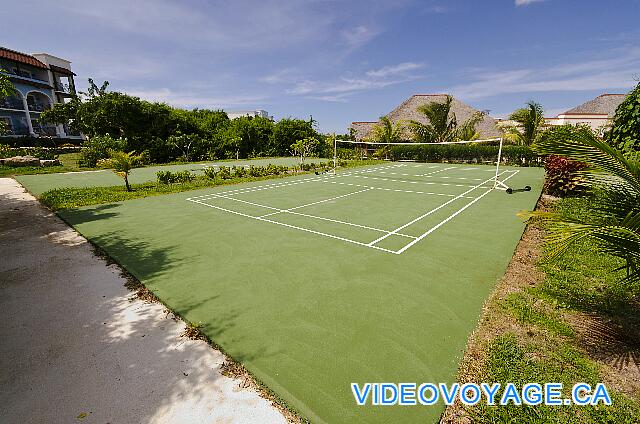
{"x": 45, "y": 130}
{"x": 62, "y": 87}
{"x": 24, "y": 75}
{"x": 39, "y": 107}
{"x": 11, "y": 103}
{"x": 17, "y": 131}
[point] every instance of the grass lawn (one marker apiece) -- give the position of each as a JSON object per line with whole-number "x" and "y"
{"x": 314, "y": 282}
{"x": 38, "y": 184}
{"x": 574, "y": 322}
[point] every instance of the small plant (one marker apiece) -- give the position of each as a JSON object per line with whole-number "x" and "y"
{"x": 164, "y": 177}
{"x": 256, "y": 171}
{"x": 210, "y": 172}
{"x": 224, "y": 172}
{"x": 193, "y": 331}
{"x": 168, "y": 177}
{"x": 184, "y": 177}
{"x": 122, "y": 163}
{"x": 238, "y": 172}
{"x": 563, "y": 177}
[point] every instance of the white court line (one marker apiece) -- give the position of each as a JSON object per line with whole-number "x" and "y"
{"x": 294, "y": 227}
{"x": 435, "y": 172}
{"x": 318, "y": 179}
{"x": 412, "y": 182}
{"x": 328, "y": 180}
{"x": 288, "y": 183}
{"x": 459, "y": 211}
{"x": 302, "y": 214}
{"x": 431, "y": 211}
{"x": 318, "y": 202}
{"x": 428, "y": 193}
{"x": 443, "y": 177}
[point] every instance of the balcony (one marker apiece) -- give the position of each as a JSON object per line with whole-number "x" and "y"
{"x": 39, "y": 107}
{"x": 26, "y": 77}
{"x": 11, "y": 103}
{"x": 44, "y": 130}
{"x": 62, "y": 87}
{"x": 17, "y": 131}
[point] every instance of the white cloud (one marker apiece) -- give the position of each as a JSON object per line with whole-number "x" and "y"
{"x": 358, "y": 36}
{"x": 280, "y": 76}
{"x": 225, "y": 26}
{"x": 340, "y": 89}
{"x": 612, "y": 73}
{"x": 190, "y": 100}
{"x": 400, "y": 68}
{"x": 527, "y": 2}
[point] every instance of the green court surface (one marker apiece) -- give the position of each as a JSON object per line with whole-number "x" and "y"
{"x": 39, "y": 183}
{"x": 377, "y": 274}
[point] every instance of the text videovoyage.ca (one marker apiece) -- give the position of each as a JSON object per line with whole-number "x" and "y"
{"x": 408, "y": 394}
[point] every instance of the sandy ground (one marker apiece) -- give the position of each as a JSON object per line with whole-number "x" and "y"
{"x": 75, "y": 348}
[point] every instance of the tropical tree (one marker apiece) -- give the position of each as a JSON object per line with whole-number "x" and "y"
{"x": 6, "y": 90}
{"x": 386, "y": 131}
{"x": 122, "y": 163}
{"x": 529, "y": 123}
{"x": 442, "y": 124}
{"x": 614, "y": 219}
{"x": 6, "y": 86}
{"x": 468, "y": 131}
{"x": 625, "y": 130}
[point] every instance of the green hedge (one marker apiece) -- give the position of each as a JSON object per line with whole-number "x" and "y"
{"x": 467, "y": 153}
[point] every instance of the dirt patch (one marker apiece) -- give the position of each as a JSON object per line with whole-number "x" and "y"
{"x": 615, "y": 345}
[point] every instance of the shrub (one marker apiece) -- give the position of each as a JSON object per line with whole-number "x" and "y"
{"x": 562, "y": 176}
{"x": 210, "y": 172}
{"x": 238, "y": 172}
{"x": 97, "y": 148}
{"x": 256, "y": 171}
{"x": 5, "y": 151}
{"x": 164, "y": 177}
{"x": 467, "y": 153}
{"x": 224, "y": 173}
{"x": 168, "y": 177}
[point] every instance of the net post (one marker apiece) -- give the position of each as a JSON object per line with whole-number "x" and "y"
{"x": 335, "y": 153}
{"x": 495, "y": 180}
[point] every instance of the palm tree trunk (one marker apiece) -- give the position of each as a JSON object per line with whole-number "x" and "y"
{"x": 126, "y": 183}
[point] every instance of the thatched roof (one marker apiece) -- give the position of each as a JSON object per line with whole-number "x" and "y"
{"x": 407, "y": 111}
{"x": 604, "y": 103}
{"x": 362, "y": 128}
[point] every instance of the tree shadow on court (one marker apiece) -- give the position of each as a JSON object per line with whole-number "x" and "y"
{"x": 96, "y": 213}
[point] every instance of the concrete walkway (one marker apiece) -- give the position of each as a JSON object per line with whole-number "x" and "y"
{"x": 74, "y": 348}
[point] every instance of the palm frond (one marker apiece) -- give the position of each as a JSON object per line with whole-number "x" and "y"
{"x": 584, "y": 146}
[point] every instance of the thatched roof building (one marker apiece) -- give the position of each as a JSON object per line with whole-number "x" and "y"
{"x": 407, "y": 111}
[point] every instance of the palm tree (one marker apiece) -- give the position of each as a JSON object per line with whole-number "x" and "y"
{"x": 467, "y": 131}
{"x": 122, "y": 163}
{"x": 386, "y": 132}
{"x": 530, "y": 121}
{"x": 614, "y": 220}
{"x": 443, "y": 125}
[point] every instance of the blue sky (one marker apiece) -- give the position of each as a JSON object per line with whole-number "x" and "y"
{"x": 339, "y": 61}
